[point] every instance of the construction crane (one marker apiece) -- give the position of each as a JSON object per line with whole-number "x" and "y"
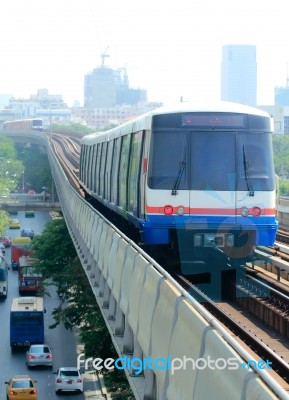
{"x": 103, "y": 55}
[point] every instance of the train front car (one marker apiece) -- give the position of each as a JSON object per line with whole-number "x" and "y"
{"x": 210, "y": 187}
{"x": 37, "y": 124}
{"x": 196, "y": 183}
{"x": 24, "y": 124}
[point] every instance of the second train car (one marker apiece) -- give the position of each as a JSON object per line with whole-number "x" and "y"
{"x": 196, "y": 178}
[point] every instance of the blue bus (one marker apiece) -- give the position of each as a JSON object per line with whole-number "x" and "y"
{"x": 3, "y": 279}
{"x": 26, "y": 321}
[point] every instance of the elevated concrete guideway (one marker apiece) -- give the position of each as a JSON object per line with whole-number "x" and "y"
{"x": 149, "y": 316}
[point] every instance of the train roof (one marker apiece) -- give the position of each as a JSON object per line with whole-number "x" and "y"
{"x": 24, "y": 119}
{"x": 143, "y": 122}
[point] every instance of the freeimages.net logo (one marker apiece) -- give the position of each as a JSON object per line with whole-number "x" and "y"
{"x": 138, "y": 365}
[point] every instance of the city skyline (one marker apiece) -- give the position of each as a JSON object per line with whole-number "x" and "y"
{"x": 173, "y": 52}
{"x": 239, "y": 74}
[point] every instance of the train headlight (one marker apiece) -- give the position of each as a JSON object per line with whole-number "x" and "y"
{"x": 256, "y": 211}
{"x": 168, "y": 210}
{"x": 244, "y": 212}
{"x": 180, "y": 210}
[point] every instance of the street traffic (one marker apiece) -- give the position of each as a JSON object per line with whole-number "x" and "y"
{"x": 63, "y": 343}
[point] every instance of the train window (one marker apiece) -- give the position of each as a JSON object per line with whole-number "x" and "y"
{"x": 84, "y": 165}
{"x": 89, "y": 172}
{"x": 81, "y": 163}
{"x": 134, "y": 190}
{"x": 87, "y": 165}
{"x": 115, "y": 170}
{"x": 123, "y": 171}
{"x": 97, "y": 168}
{"x": 168, "y": 150}
{"x": 255, "y": 165}
{"x": 94, "y": 153}
{"x": 108, "y": 169}
{"x": 102, "y": 169}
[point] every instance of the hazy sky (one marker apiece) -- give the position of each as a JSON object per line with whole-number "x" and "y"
{"x": 170, "y": 48}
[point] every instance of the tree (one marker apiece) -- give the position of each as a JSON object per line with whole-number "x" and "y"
{"x": 54, "y": 251}
{"x": 72, "y": 127}
{"x": 10, "y": 168}
{"x": 281, "y": 154}
{"x": 58, "y": 262}
{"x": 4, "y": 220}
{"x": 283, "y": 188}
{"x": 10, "y": 171}
{"x": 36, "y": 166}
{"x": 59, "y": 265}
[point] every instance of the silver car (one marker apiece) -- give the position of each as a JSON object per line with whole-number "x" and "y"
{"x": 68, "y": 379}
{"x": 39, "y": 354}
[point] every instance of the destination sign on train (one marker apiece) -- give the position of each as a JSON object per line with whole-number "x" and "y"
{"x": 213, "y": 119}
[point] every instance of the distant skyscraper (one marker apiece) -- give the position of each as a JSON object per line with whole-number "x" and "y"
{"x": 105, "y": 87}
{"x": 100, "y": 88}
{"x": 239, "y": 74}
{"x": 282, "y": 96}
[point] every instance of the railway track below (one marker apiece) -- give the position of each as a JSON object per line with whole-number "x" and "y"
{"x": 262, "y": 342}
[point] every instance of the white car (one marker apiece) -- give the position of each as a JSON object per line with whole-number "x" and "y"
{"x": 68, "y": 379}
{"x": 39, "y": 354}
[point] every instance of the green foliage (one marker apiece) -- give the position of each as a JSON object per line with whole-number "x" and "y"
{"x": 81, "y": 129}
{"x": 59, "y": 265}
{"x": 58, "y": 262}
{"x": 97, "y": 341}
{"x": 10, "y": 168}
{"x": 283, "y": 188}
{"x": 72, "y": 127}
{"x": 10, "y": 171}
{"x": 281, "y": 155}
{"x": 36, "y": 166}
{"x": 4, "y": 220}
{"x": 117, "y": 385}
{"x": 55, "y": 250}
{"x": 7, "y": 149}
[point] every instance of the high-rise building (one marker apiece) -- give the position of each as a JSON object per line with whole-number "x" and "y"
{"x": 105, "y": 87}
{"x": 282, "y": 96}
{"x": 239, "y": 74}
{"x": 99, "y": 88}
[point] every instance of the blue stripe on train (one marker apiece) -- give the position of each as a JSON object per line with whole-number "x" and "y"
{"x": 156, "y": 227}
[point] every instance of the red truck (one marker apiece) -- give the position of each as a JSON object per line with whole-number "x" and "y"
{"x": 21, "y": 246}
{"x": 29, "y": 282}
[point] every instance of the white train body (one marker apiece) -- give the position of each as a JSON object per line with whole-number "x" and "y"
{"x": 199, "y": 176}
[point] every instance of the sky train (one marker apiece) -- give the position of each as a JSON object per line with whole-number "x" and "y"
{"x": 196, "y": 178}
{"x": 31, "y": 123}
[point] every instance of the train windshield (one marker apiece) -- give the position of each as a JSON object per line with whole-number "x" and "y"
{"x": 37, "y": 122}
{"x": 211, "y": 160}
